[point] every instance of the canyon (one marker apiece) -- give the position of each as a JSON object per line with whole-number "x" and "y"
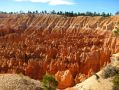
{"x": 70, "y": 48}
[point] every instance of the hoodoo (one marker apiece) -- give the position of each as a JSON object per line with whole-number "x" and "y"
{"x": 72, "y": 49}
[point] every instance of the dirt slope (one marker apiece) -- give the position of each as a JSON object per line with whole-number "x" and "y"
{"x": 18, "y": 82}
{"x": 93, "y": 84}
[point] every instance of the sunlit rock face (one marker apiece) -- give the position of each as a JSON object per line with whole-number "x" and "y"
{"x": 115, "y": 59}
{"x": 65, "y": 79}
{"x": 73, "y": 47}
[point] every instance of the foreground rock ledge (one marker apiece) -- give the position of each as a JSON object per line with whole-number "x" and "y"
{"x": 18, "y": 82}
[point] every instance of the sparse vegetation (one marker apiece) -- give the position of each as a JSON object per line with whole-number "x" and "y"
{"x": 49, "y": 82}
{"x": 110, "y": 71}
{"x": 116, "y": 82}
{"x": 116, "y": 32}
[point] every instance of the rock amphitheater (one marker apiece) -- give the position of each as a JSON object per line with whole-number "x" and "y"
{"x": 70, "y": 48}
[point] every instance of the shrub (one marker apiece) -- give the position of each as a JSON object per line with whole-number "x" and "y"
{"x": 110, "y": 71}
{"x": 116, "y": 82}
{"x": 116, "y": 31}
{"x": 49, "y": 82}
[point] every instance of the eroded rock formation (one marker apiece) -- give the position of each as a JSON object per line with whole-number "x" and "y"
{"x": 36, "y": 44}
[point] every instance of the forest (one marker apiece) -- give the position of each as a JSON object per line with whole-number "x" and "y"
{"x": 66, "y": 13}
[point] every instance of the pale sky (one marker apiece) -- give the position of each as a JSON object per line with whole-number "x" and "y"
{"x": 110, "y": 6}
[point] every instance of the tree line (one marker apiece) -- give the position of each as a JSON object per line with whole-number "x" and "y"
{"x": 69, "y": 14}
{"x": 117, "y": 13}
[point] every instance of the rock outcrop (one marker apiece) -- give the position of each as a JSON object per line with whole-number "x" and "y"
{"x": 18, "y": 82}
{"x": 65, "y": 79}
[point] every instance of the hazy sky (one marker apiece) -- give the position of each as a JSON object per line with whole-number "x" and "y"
{"x": 60, "y": 5}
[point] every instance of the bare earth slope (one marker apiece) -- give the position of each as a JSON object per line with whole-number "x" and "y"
{"x": 93, "y": 84}
{"x": 68, "y": 47}
{"x": 18, "y": 82}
